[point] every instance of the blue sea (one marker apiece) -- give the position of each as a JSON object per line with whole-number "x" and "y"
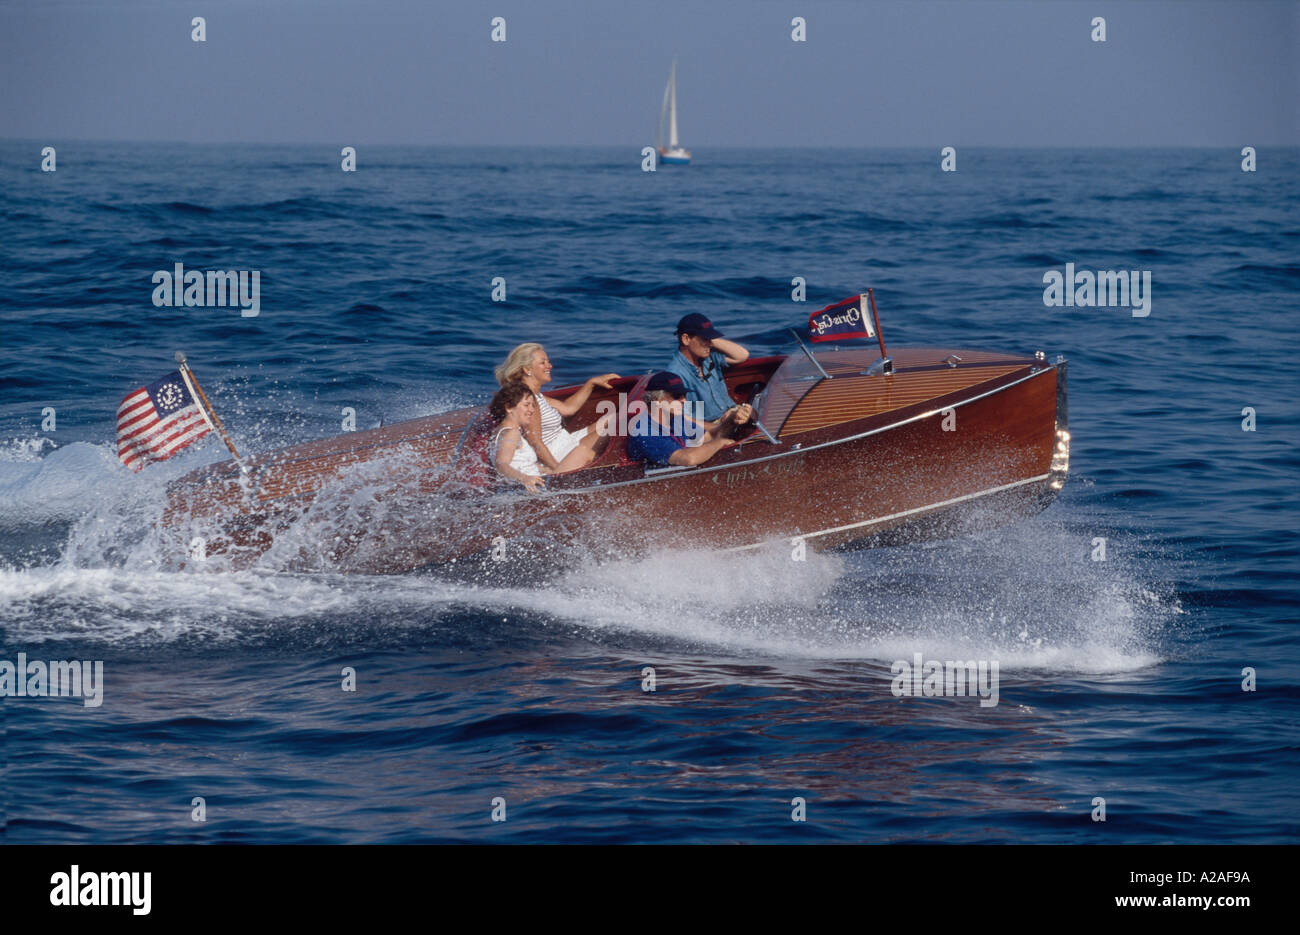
{"x": 1123, "y": 619}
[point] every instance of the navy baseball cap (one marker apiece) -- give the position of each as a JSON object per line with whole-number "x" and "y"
{"x": 695, "y": 323}
{"x": 667, "y": 381}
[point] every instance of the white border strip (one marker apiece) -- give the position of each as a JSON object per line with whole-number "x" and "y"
{"x": 872, "y": 522}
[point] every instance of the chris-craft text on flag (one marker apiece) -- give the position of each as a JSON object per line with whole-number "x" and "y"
{"x": 843, "y": 320}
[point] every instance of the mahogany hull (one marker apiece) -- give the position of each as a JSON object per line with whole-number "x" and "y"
{"x": 934, "y": 450}
{"x": 853, "y": 485}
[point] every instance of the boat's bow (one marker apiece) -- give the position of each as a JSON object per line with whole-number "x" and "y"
{"x": 951, "y": 440}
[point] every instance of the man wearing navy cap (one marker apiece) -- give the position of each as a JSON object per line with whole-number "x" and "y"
{"x": 703, "y": 354}
{"x": 662, "y": 435}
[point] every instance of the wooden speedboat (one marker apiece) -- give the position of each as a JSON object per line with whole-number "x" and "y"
{"x": 850, "y": 456}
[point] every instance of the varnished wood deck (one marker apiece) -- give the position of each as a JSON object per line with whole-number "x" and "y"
{"x": 798, "y": 402}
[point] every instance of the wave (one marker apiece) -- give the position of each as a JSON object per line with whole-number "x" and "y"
{"x": 1039, "y": 259}
{"x": 1007, "y": 220}
{"x": 1145, "y": 194}
{"x": 185, "y": 207}
{"x": 42, "y": 483}
{"x": 749, "y": 287}
{"x": 1260, "y": 276}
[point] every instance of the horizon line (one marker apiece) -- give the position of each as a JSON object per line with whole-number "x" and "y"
{"x": 726, "y": 147}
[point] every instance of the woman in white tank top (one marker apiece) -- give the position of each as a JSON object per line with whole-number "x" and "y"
{"x": 513, "y": 408}
{"x": 557, "y": 448}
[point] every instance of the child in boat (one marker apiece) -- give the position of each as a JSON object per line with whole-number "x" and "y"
{"x": 512, "y": 408}
{"x": 557, "y": 448}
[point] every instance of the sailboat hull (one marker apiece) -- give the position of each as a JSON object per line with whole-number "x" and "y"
{"x": 674, "y": 158}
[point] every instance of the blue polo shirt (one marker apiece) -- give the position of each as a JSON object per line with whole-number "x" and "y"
{"x": 649, "y": 441}
{"x": 710, "y": 390}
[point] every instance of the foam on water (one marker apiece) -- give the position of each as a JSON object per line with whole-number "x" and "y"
{"x": 25, "y": 450}
{"x": 992, "y": 598}
{"x": 1026, "y": 596}
{"x": 42, "y": 483}
{"x": 828, "y": 607}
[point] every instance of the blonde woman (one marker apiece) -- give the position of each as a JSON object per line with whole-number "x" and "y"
{"x": 557, "y": 448}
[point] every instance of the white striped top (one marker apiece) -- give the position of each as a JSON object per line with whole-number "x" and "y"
{"x": 552, "y": 421}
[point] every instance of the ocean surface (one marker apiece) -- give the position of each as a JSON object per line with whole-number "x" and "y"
{"x": 1120, "y": 679}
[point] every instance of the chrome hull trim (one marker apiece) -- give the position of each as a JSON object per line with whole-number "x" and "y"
{"x": 884, "y": 519}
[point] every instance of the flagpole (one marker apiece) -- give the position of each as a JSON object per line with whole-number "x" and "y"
{"x": 880, "y": 335}
{"x": 209, "y": 414}
{"x": 885, "y": 364}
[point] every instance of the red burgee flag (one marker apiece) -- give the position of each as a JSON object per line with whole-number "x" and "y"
{"x": 843, "y": 320}
{"x": 158, "y": 420}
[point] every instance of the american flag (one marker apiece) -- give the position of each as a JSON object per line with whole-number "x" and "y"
{"x": 158, "y": 420}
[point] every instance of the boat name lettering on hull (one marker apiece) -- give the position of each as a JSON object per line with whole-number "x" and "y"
{"x": 743, "y": 474}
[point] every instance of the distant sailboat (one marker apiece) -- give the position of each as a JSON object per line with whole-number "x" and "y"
{"x": 674, "y": 154}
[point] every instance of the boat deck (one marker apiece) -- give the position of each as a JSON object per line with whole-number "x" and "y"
{"x": 800, "y": 400}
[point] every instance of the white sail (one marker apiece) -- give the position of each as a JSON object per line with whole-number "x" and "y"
{"x": 663, "y": 112}
{"x": 672, "y": 109}
{"x": 670, "y": 150}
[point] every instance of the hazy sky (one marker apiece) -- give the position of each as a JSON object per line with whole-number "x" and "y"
{"x": 1217, "y": 73}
